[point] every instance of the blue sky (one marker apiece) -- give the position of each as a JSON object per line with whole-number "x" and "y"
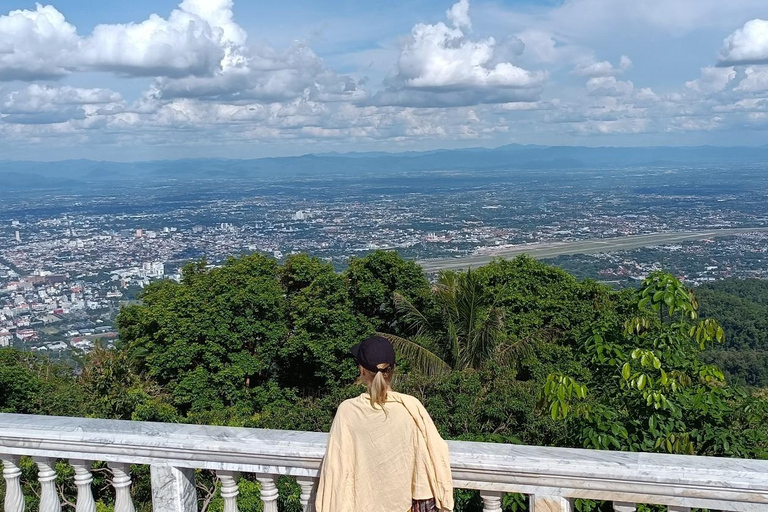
{"x": 167, "y": 79}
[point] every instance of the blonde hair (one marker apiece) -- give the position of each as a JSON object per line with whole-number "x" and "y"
{"x": 380, "y": 384}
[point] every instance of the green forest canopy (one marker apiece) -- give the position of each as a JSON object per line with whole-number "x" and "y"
{"x": 531, "y": 355}
{"x": 741, "y": 307}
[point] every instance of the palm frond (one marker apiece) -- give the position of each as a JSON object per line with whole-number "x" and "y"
{"x": 481, "y": 327}
{"x": 510, "y": 354}
{"x": 487, "y": 337}
{"x": 446, "y": 291}
{"x": 414, "y": 319}
{"x": 419, "y": 357}
{"x": 454, "y": 343}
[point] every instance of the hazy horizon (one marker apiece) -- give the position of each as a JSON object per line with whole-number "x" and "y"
{"x": 392, "y": 153}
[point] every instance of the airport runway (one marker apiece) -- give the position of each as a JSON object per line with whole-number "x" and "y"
{"x": 598, "y": 245}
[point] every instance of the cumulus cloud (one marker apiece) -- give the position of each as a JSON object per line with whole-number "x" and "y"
{"x": 39, "y": 104}
{"x": 194, "y": 40}
{"x": 219, "y": 89}
{"x": 458, "y": 14}
{"x": 198, "y": 51}
{"x": 591, "y": 68}
{"x": 441, "y": 66}
{"x": 266, "y": 74}
{"x": 609, "y": 86}
{"x": 712, "y": 79}
{"x": 37, "y": 44}
{"x": 197, "y": 38}
{"x": 755, "y": 80}
{"x": 748, "y": 45}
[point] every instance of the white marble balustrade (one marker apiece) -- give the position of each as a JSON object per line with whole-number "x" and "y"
{"x": 551, "y": 477}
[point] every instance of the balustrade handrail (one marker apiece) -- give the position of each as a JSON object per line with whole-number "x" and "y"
{"x": 676, "y": 480}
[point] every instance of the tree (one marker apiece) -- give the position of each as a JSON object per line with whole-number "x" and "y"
{"x": 538, "y": 296}
{"x": 467, "y": 332}
{"x": 213, "y": 337}
{"x": 741, "y": 307}
{"x": 373, "y": 280}
{"x": 323, "y": 325}
{"x": 19, "y": 387}
{"x": 114, "y": 390}
{"x": 32, "y": 384}
{"x": 650, "y": 391}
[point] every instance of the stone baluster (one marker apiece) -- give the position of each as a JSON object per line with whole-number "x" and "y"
{"x": 268, "y": 493}
{"x": 623, "y": 506}
{"x": 121, "y": 481}
{"x": 173, "y": 488}
{"x": 14, "y": 499}
{"x": 229, "y": 489}
{"x": 677, "y": 508}
{"x": 550, "y": 504}
{"x": 308, "y": 493}
{"x": 491, "y": 501}
{"x": 83, "y": 481}
{"x": 46, "y": 475}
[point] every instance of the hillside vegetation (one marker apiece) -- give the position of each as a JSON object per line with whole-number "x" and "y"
{"x": 741, "y": 307}
{"x": 515, "y": 351}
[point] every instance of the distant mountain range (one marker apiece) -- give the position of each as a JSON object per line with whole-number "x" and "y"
{"x": 72, "y": 173}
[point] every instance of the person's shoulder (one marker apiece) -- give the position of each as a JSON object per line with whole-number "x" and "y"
{"x": 349, "y": 403}
{"x": 407, "y": 399}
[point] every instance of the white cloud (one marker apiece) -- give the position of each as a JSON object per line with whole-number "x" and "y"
{"x": 539, "y": 45}
{"x": 37, "y": 44}
{"x": 646, "y": 95}
{"x": 612, "y": 127}
{"x": 193, "y": 40}
{"x": 694, "y": 124}
{"x": 755, "y": 80}
{"x": 440, "y": 66}
{"x": 198, "y": 51}
{"x": 38, "y": 104}
{"x": 198, "y": 38}
{"x": 458, "y": 15}
{"x": 213, "y": 87}
{"x": 712, "y": 79}
{"x": 592, "y": 68}
{"x": 267, "y": 74}
{"x": 609, "y": 86}
{"x": 748, "y": 45}
{"x": 523, "y": 105}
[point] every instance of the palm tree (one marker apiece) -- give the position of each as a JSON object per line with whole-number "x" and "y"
{"x": 468, "y": 331}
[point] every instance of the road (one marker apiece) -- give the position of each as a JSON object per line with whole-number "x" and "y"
{"x": 552, "y": 249}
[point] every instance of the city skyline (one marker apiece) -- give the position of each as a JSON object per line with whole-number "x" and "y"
{"x": 242, "y": 80}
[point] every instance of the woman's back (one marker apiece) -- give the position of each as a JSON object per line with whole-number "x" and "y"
{"x": 381, "y": 460}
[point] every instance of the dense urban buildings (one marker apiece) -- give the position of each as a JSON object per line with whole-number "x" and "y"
{"x": 70, "y": 257}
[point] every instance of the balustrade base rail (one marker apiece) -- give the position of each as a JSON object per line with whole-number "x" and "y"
{"x": 551, "y": 477}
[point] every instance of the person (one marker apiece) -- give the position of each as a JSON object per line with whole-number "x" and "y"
{"x": 384, "y": 453}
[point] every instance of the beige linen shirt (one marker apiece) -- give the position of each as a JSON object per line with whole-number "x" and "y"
{"x": 380, "y": 462}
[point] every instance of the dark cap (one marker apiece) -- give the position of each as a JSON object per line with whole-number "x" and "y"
{"x": 372, "y": 352}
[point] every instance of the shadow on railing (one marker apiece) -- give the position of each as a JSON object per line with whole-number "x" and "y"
{"x": 551, "y": 477}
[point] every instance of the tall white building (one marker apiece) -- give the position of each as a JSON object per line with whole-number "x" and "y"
{"x": 152, "y": 269}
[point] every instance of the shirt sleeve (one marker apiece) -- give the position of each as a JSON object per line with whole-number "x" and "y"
{"x": 335, "y": 470}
